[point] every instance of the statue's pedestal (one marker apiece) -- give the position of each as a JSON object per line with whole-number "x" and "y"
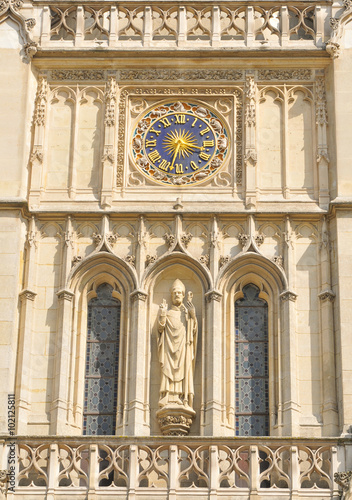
{"x": 175, "y": 420}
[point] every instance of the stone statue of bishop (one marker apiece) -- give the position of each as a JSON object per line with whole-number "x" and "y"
{"x": 177, "y": 345}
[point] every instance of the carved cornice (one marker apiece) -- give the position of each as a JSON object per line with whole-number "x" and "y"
{"x": 288, "y": 295}
{"x": 27, "y": 295}
{"x": 138, "y": 295}
{"x": 327, "y": 295}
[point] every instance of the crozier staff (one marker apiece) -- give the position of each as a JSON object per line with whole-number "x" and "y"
{"x": 177, "y": 345}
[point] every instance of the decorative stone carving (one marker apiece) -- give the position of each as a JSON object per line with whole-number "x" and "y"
{"x": 224, "y": 260}
{"x": 4, "y": 479}
{"x": 321, "y": 113}
{"x": 177, "y": 424}
{"x": 150, "y": 259}
{"x": 213, "y": 295}
{"x": 138, "y": 295}
{"x": 205, "y": 260}
{"x": 278, "y": 260}
{"x": 97, "y": 238}
{"x": 40, "y": 105}
{"x": 37, "y": 155}
{"x": 76, "y": 259}
{"x": 182, "y": 75}
{"x": 112, "y": 238}
{"x": 131, "y": 259}
{"x": 170, "y": 239}
{"x": 65, "y": 295}
{"x": 343, "y": 479}
{"x": 249, "y": 90}
{"x": 327, "y": 295}
{"x": 177, "y": 347}
{"x": 284, "y": 74}
{"x": 288, "y": 295}
{"x": 28, "y": 295}
{"x": 108, "y": 154}
{"x": 259, "y": 239}
{"x": 110, "y": 102}
{"x": 243, "y": 239}
{"x": 77, "y": 74}
{"x": 186, "y": 238}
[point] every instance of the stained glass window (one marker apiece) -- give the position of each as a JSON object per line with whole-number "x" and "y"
{"x": 251, "y": 344}
{"x": 100, "y": 391}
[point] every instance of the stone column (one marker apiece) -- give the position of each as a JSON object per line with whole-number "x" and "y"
{"x": 327, "y": 296}
{"x": 23, "y": 369}
{"x": 213, "y": 365}
{"x": 137, "y": 407}
{"x": 59, "y": 408}
{"x": 289, "y": 395}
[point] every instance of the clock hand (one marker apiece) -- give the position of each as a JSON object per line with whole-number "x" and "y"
{"x": 174, "y": 157}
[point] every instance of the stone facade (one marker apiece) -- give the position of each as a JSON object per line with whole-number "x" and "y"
{"x": 82, "y": 206}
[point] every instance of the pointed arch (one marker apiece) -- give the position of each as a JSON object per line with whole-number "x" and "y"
{"x": 170, "y": 259}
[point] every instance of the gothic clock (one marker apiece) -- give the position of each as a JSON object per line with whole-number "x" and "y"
{"x": 180, "y": 143}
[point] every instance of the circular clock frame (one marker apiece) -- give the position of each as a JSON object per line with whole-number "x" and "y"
{"x": 181, "y": 143}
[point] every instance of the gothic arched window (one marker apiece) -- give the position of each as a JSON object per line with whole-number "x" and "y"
{"x": 100, "y": 388}
{"x": 251, "y": 344}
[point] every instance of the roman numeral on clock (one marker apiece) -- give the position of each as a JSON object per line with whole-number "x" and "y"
{"x": 150, "y": 144}
{"x": 154, "y": 156}
{"x": 180, "y": 118}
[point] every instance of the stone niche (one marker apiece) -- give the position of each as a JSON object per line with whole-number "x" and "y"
{"x": 180, "y": 420}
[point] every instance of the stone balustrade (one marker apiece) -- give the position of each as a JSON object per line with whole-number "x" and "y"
{"x": 192, "y": 25}
{"x": 105, "y": 466}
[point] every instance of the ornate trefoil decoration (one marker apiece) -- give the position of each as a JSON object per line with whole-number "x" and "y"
{"x": 40, "y": 101}
{"x": 110, "y": 102}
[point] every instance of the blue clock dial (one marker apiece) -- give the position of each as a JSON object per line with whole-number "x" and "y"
{"x": 180, "y": 143}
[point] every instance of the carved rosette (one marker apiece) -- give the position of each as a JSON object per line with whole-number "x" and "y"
{"x": 175, "y": 420}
